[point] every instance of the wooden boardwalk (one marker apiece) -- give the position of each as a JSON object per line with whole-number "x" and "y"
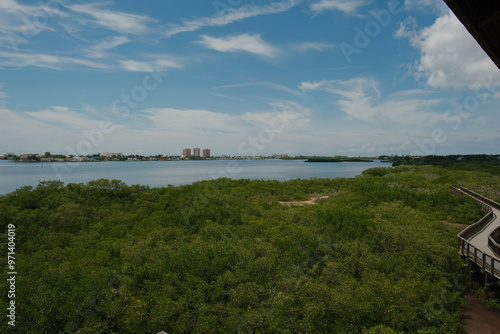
{"x": 478, "y": 243}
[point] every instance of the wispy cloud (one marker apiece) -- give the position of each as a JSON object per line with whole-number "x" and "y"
{"x": 347, "y": 6}
{"x": 224, "y": 96}
{"x": 19, "y": 23}
{"x": 267, "y": 84}
{"x": 3, "y": 94}
{"x": 230, "y": 16}
{"x": 9, "y": 60}
{"x": 427, "y": 6}
{"x": 170, "y": 119}
{"x": 163, "y": 62}
{"x": 63, "y": 116}
{"x": 211, "y": 122}
{"x": 247, "y": 43}
{"x": 39, "y": 131}
{"x": 20, "y": 18}
{"x": 360, "y": 98}
{"x": 297, "y": 114}
{"x": 99, "y": 50}
{"x": 112, "y": 20}
{"x": 316, "y": 46}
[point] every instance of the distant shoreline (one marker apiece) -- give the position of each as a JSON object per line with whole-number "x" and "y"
{"x": 149, "y": 160}
{"x": 337, "y": 160}
{"x": 313, "y": 160}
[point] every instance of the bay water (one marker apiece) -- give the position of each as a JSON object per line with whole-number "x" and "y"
{"x": 163, "y": 173}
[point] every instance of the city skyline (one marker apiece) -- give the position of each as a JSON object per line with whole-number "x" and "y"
{"x": 196, "y": 152}
{"x": 353, "y": 78}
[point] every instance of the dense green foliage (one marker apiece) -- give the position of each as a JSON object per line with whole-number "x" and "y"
{"x": 474, "y": 162}
{"x": 224, "y": 256}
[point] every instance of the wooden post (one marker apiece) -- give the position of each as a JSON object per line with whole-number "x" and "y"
{"x": 470, "y": 273}
{"x": 486, "y": 287}
{"x": 492, "y": 266}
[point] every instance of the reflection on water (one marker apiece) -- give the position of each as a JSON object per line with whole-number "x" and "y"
{"x": 162, "y": 173}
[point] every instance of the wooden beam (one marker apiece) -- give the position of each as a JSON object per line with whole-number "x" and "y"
{"x": 491, "y": 19}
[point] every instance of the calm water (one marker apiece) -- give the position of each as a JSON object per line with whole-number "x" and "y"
{"x": 162, "y": 173}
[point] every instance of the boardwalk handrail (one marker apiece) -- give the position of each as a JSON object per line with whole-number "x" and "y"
{"x": 476, "y": 227}
{"x": 487, "y": 263}
{"x": 494, "y": 241}
{"x": 479, "y": 197}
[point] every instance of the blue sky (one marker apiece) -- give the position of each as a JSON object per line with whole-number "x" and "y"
{"x": 243, "y": 77}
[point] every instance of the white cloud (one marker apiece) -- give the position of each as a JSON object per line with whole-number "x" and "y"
{"x": 227, "y": 133}
{"x": 298, "y": 115}
{"x": 231, "y": 15}
{"x": 136, "y": 66}
{"x": 25, "y": 19}
{"x": 266, "y": 84}
{"x": 357, "y": 97}
{"x": 3, "y": 95}
{"x": 11, "y": 6}
{"x": 224, "y": 96}
{"x": 317, "y": 46}
{"x": 294, "y": 130}
{"x": 99, "y": 50}
{"x": 427, "y": 6}
{"x": 19, "y": 23}
{"x": 64, "y": 117}
{"x": 189, "y": 121}
{"x": 305, "y": 86}
{"x": 346, "y": 6}
{"x": 10, "y": 60}
{"x": 248, "y": 43}
{"x": 50, "y": 129}
{"x": 361, "y": 99}
{"x": 163, "y": 62}
{"x": 408, "y": 28}
{"x": 117, "y": 21}
{"x": 450, "y": 57}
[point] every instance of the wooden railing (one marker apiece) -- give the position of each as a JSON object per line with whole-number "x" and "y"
{"x": 487, "y": 263}
{"x": 494, "y": 241}
{"x": 476, "y": 227}
{"x": 480, "y": 198}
